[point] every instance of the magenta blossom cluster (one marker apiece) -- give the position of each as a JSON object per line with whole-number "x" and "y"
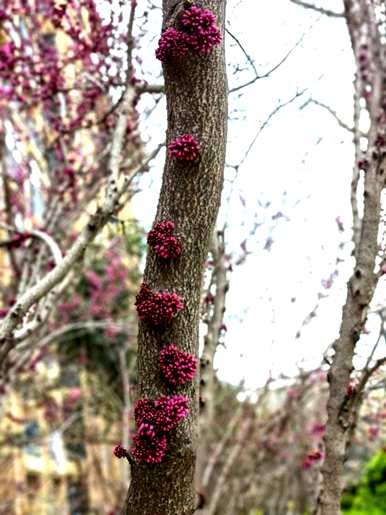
{"x": 154, "y": 419}
{"x": 171, "y": 409}
{"x": 149, "y": 445}
{"x": 311, "y": 459}
{"x": 201, "y": 29}
{"x": 163, "y": 242}
{"x": 177, "y": 366}
{"x": 120, "y": 452}
{"x": 184, "y": 148}
{"x": 157, "y": 308}
{"x": 164, "y": 414}
{"x": 198, "y": 33}
{"x": 172, "y": 45}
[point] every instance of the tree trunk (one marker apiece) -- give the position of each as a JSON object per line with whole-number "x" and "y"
{"x": 196, "y": 93}
{"x": 361, "y": 19}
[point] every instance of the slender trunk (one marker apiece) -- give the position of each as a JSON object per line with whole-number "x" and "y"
{"x": 359, "y": 294}
{"x": 196, "y": 93}
{"x": 362, "y": 284}
{"x": 215, "y": 320}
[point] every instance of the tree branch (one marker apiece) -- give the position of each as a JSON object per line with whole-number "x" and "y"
{"x": 267, "y": 73}
{"x": 321, "y": 10}
{"x": 333, "y": 113}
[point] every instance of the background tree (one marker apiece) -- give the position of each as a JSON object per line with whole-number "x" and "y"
{"x": 366, "y": 23}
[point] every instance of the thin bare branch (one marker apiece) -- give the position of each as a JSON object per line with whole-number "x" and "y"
{"x": 278, "y": 108}
{"x": 267, "y": 73}
{"x": 321, "y": 10}
{"x": 341, "y": 123}
{"x": 228, "y": 464}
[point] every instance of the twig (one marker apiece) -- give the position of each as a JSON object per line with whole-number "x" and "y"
{"x": 321, "y": 10}
{"x": 218, "y": 451}
{"x": 229, "y": 462}
{"x": 267, "y": 120}
{"x": 268, "y": 73}
{"x": 249, "y": 59}
{"x": 341, "y": 123}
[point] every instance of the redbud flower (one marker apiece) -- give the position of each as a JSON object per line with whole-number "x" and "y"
{"x": 172, "y": 45}
{"x": 145, "y": 411}
{"x": 363, "y": 164}
{"x": 184, "y": 148}
{"x": 373, "y": 432}
{"x": 165, "y": 228}
{"x": 209, "y": 298}
{"x": 311, "y": 459}
{"x": 163, "y": 414}
{"x": 351, "y": 390}
{"x": 177, "y": 366}
{"x": 380, "y": 140}
{"x": 318, "y": 430}
{"x": 171, "y": 409}
{"x": 144, "y": 293}
{"x": 157, "y": 308}
{"x": 119, "y": 451}
{"x": 161, "y": 239}
{"x": 150, "y": 446}
{"x": 200, "y": 26}
{"x": 7, "y": 57}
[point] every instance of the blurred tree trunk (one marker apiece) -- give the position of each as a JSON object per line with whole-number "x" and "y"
{"x": 196, "y": 93}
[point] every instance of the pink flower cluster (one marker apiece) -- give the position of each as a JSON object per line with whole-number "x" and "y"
{"x": 184, "y": 148}
{"x": 154, "y": 419}
{"x": 318, "y": 430}
{"x": 311, "y": 459}
{"x": 119, "y": 451}
{"x": 172, "y": 45}
{"x": 150, "y": 446}
{"x": 200, "y": 26}
{"x": 363, "y": 164}
{"x": 162, "y": 241}
{"x": 34, "y": 73}
{"x": 164, "y": 414}
{"x": 364, "y": 65}
{"x": 8, "y": 59}
{"x": 177, "y": 366}
{"x": 157, "y": 308}
{"x": 198, "y": 34}
{"x": 170, "y": 411}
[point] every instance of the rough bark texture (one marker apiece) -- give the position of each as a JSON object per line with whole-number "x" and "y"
{"x": 361, "y": 19}
{"x": 196, "y": 93}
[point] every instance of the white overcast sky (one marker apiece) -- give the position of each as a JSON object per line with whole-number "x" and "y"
{"x": 301, "y": 164}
